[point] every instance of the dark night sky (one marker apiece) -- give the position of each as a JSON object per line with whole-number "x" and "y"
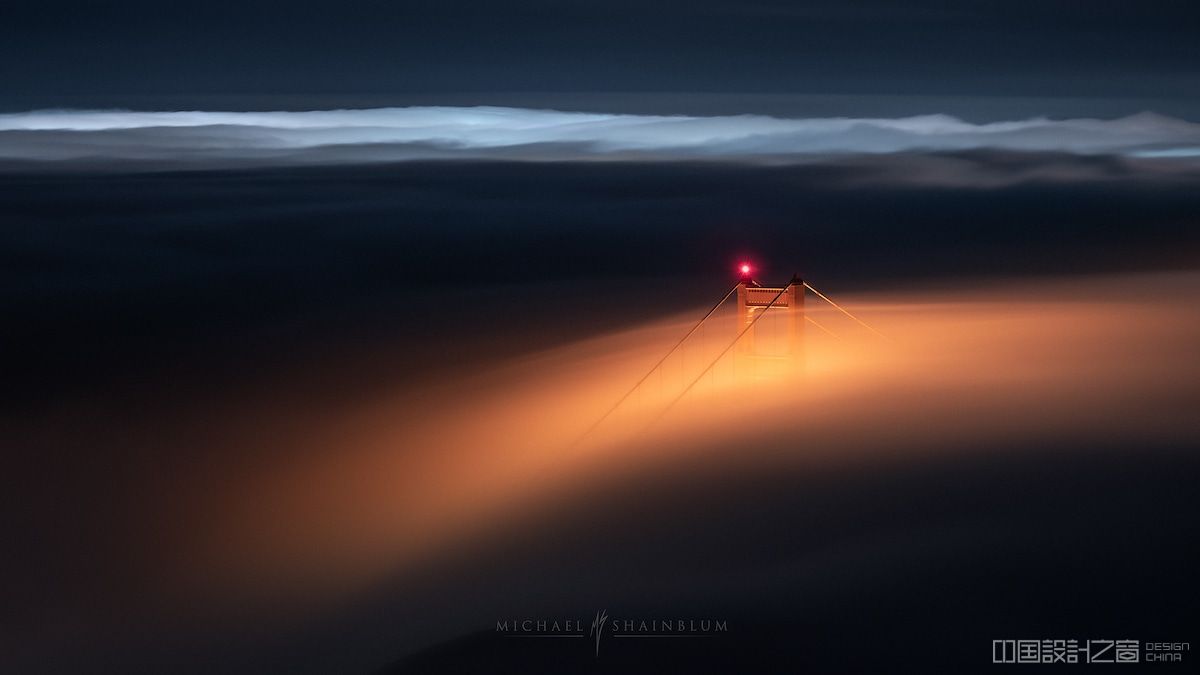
{"x": 106, "y": 52}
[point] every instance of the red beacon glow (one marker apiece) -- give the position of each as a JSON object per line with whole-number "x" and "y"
{"x": 744, "y": 268}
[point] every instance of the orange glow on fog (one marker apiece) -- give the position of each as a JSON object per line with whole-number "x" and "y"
{"x": 367, "y": 492}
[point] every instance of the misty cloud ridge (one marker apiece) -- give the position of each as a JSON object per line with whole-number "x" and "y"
{"x": 399, "y": 134}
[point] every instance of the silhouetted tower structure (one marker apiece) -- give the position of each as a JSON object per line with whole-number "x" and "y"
{"x": 752, "y": 299}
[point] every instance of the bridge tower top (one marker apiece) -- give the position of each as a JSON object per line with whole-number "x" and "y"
{"x": 754, "y": 299}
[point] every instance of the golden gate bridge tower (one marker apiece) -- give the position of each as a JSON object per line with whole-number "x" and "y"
{"x": 768, "y": 343}
{"x": 785, "y": 344}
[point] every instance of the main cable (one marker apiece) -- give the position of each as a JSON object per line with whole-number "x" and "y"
{"x": 656, "y": 366}
{"x": 719, "y": 357}
{"x": 843, "y": 311}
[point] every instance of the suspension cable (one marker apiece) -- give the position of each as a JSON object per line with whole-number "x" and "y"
{"x": 818, "y": 325}
{"x": 719, "y": 357}
{"x": 843, "y": 311}
{"x": 656, "y": 366}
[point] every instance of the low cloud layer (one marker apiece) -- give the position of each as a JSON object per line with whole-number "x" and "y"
{"x": 197, "y": 138}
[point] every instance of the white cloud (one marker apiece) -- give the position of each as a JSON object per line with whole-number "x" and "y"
{"x": 392, "y": 134}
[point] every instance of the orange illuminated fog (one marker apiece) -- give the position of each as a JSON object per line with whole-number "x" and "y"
{"x": 403, "y": 479}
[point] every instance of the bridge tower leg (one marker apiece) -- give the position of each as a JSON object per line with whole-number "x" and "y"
{"x": 745, "y": 320}
{"x": 795, "y": 296}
